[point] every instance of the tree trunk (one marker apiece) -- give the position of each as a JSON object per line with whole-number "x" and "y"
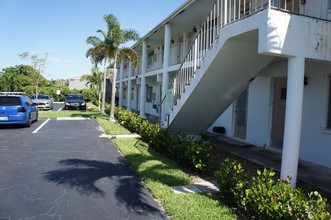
{"x": 113, "y": 92}
{"x": 99, "y": 100}
{"x": 104, "y": 88}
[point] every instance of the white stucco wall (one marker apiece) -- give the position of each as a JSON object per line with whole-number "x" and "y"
{"x": 226, "y": 121}
{"x": 293, "y": 35}
{"x": 258, "y": 111}
{"x": 315, "y": 144}
{"x": 315, "y": 140}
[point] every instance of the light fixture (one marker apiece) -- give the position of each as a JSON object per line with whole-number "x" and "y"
{"x": 305, "y": 81}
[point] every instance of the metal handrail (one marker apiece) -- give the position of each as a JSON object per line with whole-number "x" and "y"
{"x": 221, "y": 14}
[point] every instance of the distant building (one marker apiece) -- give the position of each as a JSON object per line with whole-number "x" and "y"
{"x": 76, "y": 83}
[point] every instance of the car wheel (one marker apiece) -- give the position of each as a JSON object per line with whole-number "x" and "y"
{"x": 37, "y": 118}
{"x": 28, "y": 123}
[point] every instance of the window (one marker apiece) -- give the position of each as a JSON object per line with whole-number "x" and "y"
{"x": 149, "y": 92}
{"x": 10, "y": 101}
{"x": 28, "y": 102}
{"x": 328, "y": 124}
{"x": 125, "y": 93}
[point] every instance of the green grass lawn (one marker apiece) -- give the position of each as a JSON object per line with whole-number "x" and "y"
{"x": 110, "y": 128}
{"x": 158, "y": 174}
{"x": 91, "y": 112}
{"x": 71, "y": 113}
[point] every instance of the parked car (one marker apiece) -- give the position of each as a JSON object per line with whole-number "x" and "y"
{"x": 17, "y": 108}
{"x": 75, "y": 101}
{"x": 43, "y": 102}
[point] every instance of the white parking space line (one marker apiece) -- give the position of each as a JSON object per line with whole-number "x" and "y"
{"x": 35, "y": 131}
{"x": 73, "y": 119}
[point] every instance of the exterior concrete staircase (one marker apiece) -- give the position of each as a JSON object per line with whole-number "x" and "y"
{"x": 220, "y": 65}
{"x": 218, "y": 83}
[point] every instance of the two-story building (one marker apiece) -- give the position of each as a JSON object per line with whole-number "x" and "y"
{"x": 259, "y": 68}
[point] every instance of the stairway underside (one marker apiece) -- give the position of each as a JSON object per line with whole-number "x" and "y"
{"x": 222, "y": 80}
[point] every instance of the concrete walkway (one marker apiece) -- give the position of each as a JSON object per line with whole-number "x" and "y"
{"x": 310, "y": 173}
{"x": 199, "y": 186}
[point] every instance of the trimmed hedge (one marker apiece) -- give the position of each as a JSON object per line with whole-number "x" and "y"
{"x": 179, "y": 147}
{"x": 266, "y": 198}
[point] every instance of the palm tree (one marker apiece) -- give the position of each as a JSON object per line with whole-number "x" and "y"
{"x": 97, "y": 55}
{"x": 118, "y": 38}
{"x": 109, "y": 49}
{"x": 94, "y": 80}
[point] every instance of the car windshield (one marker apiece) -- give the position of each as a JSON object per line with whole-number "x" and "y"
{"x": 75, "y": 97}
{"x": 9, "y": 101}
{"x": 40, "y": 97}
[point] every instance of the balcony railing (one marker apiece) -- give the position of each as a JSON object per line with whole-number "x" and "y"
{"x": 177, "y": 55}
{"x": 178, "y": 51}
{"x": 155, "y": 62}
{"x": 222, "y": 13}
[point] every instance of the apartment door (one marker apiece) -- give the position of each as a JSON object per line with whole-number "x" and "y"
{"x": 278, "y": 112}
{"x": 240, "y": 113}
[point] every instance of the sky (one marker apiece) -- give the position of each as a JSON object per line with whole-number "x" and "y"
{"x": 61, "y": 27}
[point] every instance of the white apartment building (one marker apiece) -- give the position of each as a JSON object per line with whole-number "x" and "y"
{"x": 259, "y": 68}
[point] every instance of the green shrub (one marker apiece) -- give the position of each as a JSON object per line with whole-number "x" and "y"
{"x": 95, "y": 102}
{"x": 107, "y": 108}
{"x": 148, "y": 131}
{"x": 129, "y": 119}
{"x": 179, "y": 147}
{"x": 197, "y": 154}
{"x": 161, "y": 141}
{"x": 233, "y": 180}
{"x": 89, "y": 94}
{"x": 267, "y": 199}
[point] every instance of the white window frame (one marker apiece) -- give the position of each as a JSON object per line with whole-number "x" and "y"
{"x": 149, "y": 93}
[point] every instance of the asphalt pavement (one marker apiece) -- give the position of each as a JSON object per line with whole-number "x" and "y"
{"x": 66, "y": 171}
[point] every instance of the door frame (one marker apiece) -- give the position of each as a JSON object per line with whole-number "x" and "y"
{"x": 271, "y": 109}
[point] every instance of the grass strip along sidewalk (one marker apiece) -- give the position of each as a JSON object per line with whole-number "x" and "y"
{"x": 157, "y": 172}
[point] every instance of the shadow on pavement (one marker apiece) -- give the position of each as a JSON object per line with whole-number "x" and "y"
{"x": 82, "y": 175}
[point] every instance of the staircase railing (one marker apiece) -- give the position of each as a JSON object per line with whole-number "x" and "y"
{"x": 221, "y": 14}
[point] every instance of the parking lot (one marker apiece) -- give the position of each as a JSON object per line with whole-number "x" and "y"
{"x": 64, "y": 170}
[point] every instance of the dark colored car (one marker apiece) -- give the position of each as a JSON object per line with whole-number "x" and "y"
{"x": 17, "y": 109}
{"x": 75, "y": 101}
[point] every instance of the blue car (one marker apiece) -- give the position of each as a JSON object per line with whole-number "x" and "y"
{"x": 17, "y": 108}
